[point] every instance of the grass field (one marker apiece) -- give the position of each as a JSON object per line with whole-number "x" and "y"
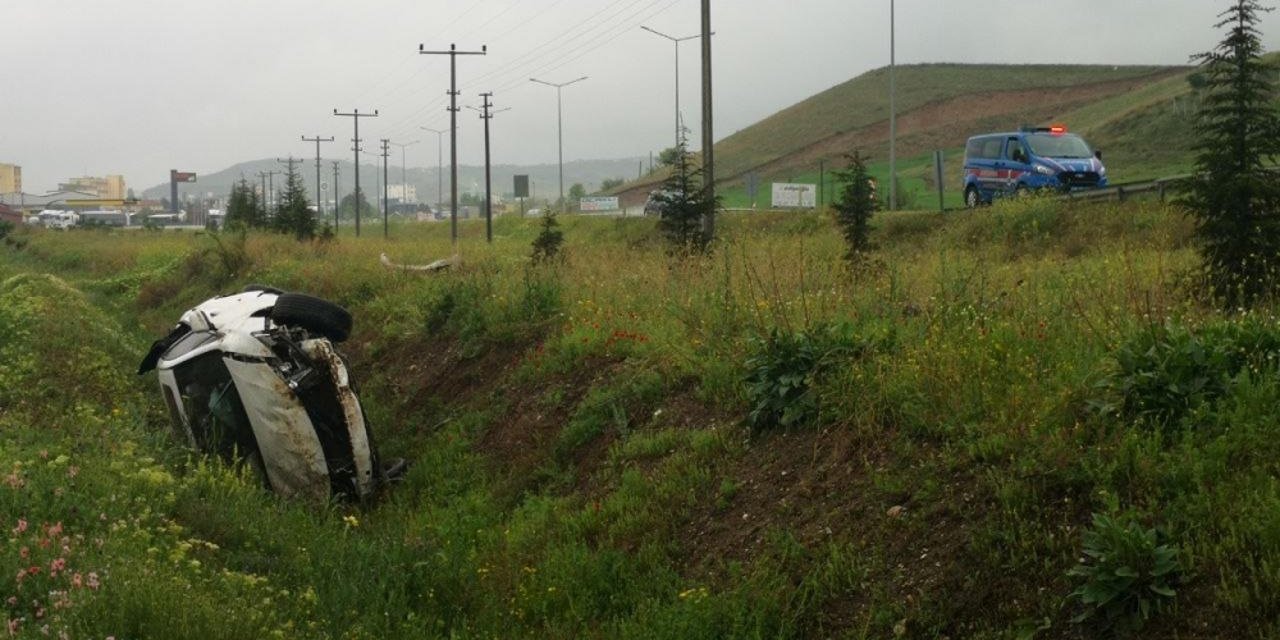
{"x": 958, "y": 413}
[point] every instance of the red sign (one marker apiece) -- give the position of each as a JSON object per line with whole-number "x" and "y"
{"x": 183, "y": 176}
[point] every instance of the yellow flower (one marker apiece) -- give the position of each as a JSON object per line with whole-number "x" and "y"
{"x": 350, "y": 521}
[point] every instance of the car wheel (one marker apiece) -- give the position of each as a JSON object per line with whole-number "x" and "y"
{"x": 971, "y": 198}
{"x": 313, "y": 314}
{"x": 1021, "y": 191}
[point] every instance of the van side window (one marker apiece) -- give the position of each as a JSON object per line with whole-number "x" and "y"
{"x": 991, "y": 148}
{"x": 973, "y": 150}
{"x": 1016, "y": 151}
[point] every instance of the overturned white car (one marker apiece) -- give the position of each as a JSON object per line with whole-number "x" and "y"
{"x": 255, "y": 377}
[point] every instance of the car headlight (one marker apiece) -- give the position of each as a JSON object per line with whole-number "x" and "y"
{"x": 1102, "y": 171}
{"x": 1043, "y": 170}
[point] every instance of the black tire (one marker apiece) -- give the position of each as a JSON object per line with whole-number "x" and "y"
{"x": 1021, "y": 191}
{"x": 971, "y": 198}
{"x": 313, "y": 314}
{"x": 250, "y": 288}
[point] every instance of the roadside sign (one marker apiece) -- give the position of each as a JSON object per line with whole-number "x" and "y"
{"x": 598, "y": 203}
{"x": 522, "y": 186}
{"x": 184, "y": 176}
{"x": 794, "y": 196}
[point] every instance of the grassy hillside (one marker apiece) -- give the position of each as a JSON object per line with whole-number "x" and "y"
{"x": 957, "y": 416}
{"x": 1139, "y": 116}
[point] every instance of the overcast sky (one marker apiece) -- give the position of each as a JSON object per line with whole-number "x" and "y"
{"x": 141, "y": 86}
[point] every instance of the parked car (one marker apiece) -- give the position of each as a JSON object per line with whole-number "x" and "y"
{"x": 999, "y": 164}
{"x": 255, "y": 378}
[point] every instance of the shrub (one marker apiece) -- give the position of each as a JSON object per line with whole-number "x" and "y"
{"x": 5, "y": 228}
{"x": 1127, "y": 576}
{"x": 1165, "y": 374}
{"x": 854, "y": 207}
{"x": 782, "y": 370}
{"x": 546, "y": 247}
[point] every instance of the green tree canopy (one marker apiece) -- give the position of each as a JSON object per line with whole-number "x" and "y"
{"x": 293, "y": 213}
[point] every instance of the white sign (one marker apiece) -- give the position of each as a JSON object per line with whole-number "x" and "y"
{"x": 598, "y": 203}
{"x": 795, "y": 196}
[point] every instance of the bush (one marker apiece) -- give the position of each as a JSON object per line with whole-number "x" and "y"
{"x": 1127, "y": 575}
{"x": 5, "y": 228}
{"x": 1164, "y": 375}
{"x": 782, "y": 370}
{"x": 546, "y": 247}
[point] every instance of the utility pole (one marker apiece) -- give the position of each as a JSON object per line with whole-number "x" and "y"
{"x": 453, "y": 54}
{"x": 337, "y": 201}
{"x": 708, "y": 139}
{"x": 559, "y": 125}
{"x": 893, "y": 117}
{"x": 677, "y": 42}
{"x": 268, "y": 185}
{"x": 404, "y": 172}
{"x": 439, "y": 166}
{"x": 356, "y": 115}
{"x": 486, "y": 114}
{"x": 319, "y": 202}
{"x": 386, "y": 204}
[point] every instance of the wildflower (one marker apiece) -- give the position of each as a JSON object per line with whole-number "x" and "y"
{"x": 92, "y": 581}
{"x": 350, "y": 521}
{"x": 77, "y": 580}
{"x": 14, "y": 625}
{"x": 55, "y": 530}
{"x": 56, "y": 565}
{"x": 73, "y": 471}
{"x": 22, "y": 526}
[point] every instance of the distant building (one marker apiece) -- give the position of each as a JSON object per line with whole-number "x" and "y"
{"x": 10, "y": 178}
{"x": 402, "y": 193}
{"x": 10, "y": 215}
{"x": 108, "y": 188}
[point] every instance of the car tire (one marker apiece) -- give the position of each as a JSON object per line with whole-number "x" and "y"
{"x": 971, "y": 198}
{"x": 313, "y": 314}
{"x": 1021, "y": 191}
{"x": 250, "y": 288}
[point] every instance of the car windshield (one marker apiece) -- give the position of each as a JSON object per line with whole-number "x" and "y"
{"x": 1064, "y": 145}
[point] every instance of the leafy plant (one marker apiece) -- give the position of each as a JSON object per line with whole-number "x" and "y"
{"x": 783, "y": 368}
{"x": 1165, "y": 374}
{"x": 1127, "y": 575}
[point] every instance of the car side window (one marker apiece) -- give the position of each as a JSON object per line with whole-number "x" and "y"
{"x": 1016, "y": 151}
{"x": 991, "y": 148}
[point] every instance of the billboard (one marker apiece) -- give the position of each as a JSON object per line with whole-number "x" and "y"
{"x": 598, "y": 203}
{"x": 182, "y": 176}
{"x": 788, "y": 195}
{"x": 522, "y": 186}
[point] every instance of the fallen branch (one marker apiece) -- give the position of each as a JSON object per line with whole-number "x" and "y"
{"x": 438, "y": 265}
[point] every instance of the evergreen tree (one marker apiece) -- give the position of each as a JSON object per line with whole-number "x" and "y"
{"x": 347, "y": 208}
{"x": 854, "y": 207}
{"x": 244, "y": 208}
{"x": 682, "y": 203}
{"x": 546, "y": 247}
{"x": 1234, "y": 196}
{"x": 292, "y": 214}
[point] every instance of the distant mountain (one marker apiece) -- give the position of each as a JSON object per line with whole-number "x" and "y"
{"x": 544, "y": 178}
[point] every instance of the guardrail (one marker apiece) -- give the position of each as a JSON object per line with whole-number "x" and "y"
{"x": 1123, "y": 191}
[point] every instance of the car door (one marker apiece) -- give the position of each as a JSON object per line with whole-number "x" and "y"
{"x": 990, "y": 165}
{"x": 1016, "y": 162}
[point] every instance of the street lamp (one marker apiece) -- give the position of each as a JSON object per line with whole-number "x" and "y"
{"x": 893, "y": 119}
{"x": 677, "y": 42}
{"x": 559, "y": 124}
{"x": 404, "y": 181}
{"x": 440, "y": 166}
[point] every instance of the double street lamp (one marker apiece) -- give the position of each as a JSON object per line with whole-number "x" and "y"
{"x": 440, "y": 166}
{"x": 677, "y": 42}
{"x": 560, "y": 124}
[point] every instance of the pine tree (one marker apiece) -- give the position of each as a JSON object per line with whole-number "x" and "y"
{"x": 292, "y": 214}
{"x": 546, "y": 247}
{"x": 1234, "y": 196}
{"x": 682, "y": 203}
{"x": 244, "y": 209}
{"x": 854, "y": 207}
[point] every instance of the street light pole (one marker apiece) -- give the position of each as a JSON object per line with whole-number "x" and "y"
{"x": 677, "y": 42}
{"x": 404, "y": 180}
{"x": 439, "y": 164}
{"x": 559, "y": 125}
{"x": 893, "y": 117}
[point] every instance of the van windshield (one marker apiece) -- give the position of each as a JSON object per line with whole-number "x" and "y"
{"x": 1060, "y": 146}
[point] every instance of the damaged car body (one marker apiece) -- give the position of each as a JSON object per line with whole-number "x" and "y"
{"x": 254, "y": 377}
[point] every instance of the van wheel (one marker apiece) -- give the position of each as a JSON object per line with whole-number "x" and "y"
{"x": 1022, "y": 191}
{"x": 313, "y": 314}
{"x": 971, "y": 198}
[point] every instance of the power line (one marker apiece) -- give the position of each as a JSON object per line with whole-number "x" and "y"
{"x": 319, "y": 202}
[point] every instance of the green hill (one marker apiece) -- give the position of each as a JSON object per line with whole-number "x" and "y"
{"x": 1137, "y": 114}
